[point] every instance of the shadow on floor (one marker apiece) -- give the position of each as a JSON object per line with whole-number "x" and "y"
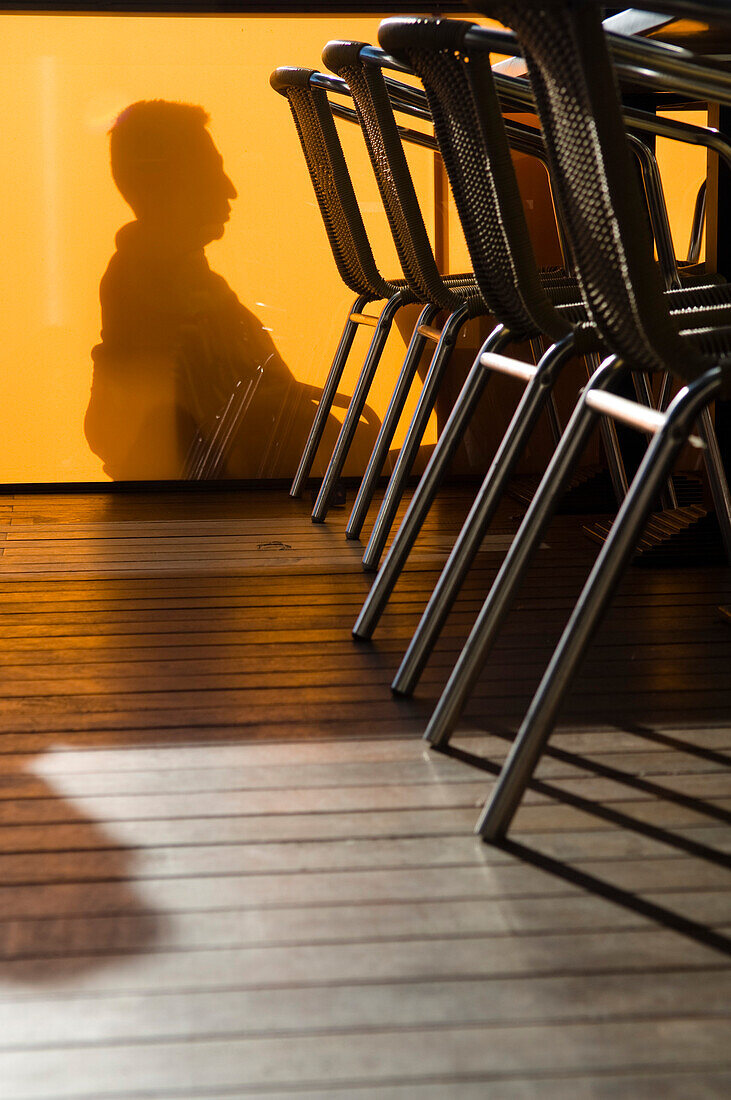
{"x": 593, "y": 884}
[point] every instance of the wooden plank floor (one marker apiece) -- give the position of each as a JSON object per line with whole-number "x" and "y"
{"x": 230, "y": 868}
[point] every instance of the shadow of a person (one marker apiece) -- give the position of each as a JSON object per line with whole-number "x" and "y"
{"x": 187, "y": 382}
{"x": 70, "y": 898}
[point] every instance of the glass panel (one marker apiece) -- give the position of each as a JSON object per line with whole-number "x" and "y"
{"x": 220, "y": 303}
{"x": 186, "y": 330}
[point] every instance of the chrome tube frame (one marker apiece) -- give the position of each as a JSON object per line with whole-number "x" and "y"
{"x": 534, "y": 398}
{"x": 410, "y": 447}
{"x": 615, "y": 554}
{"x": 526, "y": 541}
{"x": 388, "y": 426}
{"x": 327, "y": 398}
{"x": 421, "y": 501}
{"x": 357, "y": 403}
{"x": 658, "y": 211}
{"x": 696, "y": 231}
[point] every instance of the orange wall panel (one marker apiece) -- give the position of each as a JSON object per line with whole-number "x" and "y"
{"x": 64, "y": 80}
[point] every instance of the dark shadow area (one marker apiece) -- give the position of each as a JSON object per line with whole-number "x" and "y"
{"x": 68, "y": 893}
{"x": 659, "y": 914}
{"x": 672, "y": 742}
{"x": 187, "y": 382}
{"x": 608, "y": 813}
{"x": 74, "y": 899}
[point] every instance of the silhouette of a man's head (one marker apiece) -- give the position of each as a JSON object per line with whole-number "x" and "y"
{"x": 168, "y": 169}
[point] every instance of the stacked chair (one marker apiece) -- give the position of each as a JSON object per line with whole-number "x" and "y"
{"x": 373, "y": 95}
{"x": 579, "y": 109}
{"x": 359, "y": 66}
{"x": 352, "y": 254}
{"x": 459, "y": 295}
{"x": 461, "y": 301}
{"x": 468, "y": 124}
{"x": 421, "y": 282}
{"x": 615, "y": 303}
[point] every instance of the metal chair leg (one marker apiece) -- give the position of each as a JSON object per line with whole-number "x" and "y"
{"x": 717, "y": 479}
{"x": 327, "y": 397}
{"x": 389, "y": 425}
{"x": 612, "y": 450}
{"x": 414, "y": 436}
{"x": 713, "y": 461}
{"x": 595, "y": 597}
{"x": 538, "y": 349}
{"x": 528, "y": 538}
{"x": 357, "y": 403}
{"x": 668, "y": 497}
{"x": 534, "y": 400}
{"x": 421, "y": 501}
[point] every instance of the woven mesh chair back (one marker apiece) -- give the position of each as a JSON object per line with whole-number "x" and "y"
{"x": 597, "y": 187}
{"x": 469, "y": 127}
{"x": 395, "y": 182}
{"x": 332, "y": 183}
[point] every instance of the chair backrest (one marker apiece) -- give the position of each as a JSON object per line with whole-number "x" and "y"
{"x": 469, "y": 127}
{"x": 395, "y": 183}
{"x": 331, "y": 180}
{"x": 579, "y": 107}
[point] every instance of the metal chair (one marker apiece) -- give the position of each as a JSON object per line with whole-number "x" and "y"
{"x": 348, "y": 240}
{"x": 461, "y": 300}
{"x": 578, "y": 104}
{"x": 306, "y": 92}
{"x": 470, "y": 129}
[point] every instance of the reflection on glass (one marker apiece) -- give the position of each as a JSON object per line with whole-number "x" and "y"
{"x": 186, "y": 383}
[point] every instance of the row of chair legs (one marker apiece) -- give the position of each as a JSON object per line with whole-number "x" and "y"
{"x": 668, "y": 431}
{"x": 529, "y": 536}
{"x": 588, "y": 612}
{"x": 470, "y": 539}
{"x": 672, "y": 433}
{"x": 426, "y": 491}
{"x": 327, "y": 396}
{"x": 414, "y": 436}
{"x": 390, "y": 422}
{"x": 423, "y": 332}
{"x": 357, "y": 404}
